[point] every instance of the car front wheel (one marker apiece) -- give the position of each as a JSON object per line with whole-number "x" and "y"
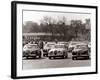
{"x": 51, "y": 57}
{"x": 74, "y": 58}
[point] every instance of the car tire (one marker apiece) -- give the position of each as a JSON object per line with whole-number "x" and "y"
{"x": 66, "y": 56}
{"x": 74, "y": 58}
{"x": 27, "y": 57}
{"x": 46, "y": 55}
{"x": 39, "y": 56}
{"x": 88, "y": 57}
{"x": 49, "y": 57}
{"x": 63, "y": 57}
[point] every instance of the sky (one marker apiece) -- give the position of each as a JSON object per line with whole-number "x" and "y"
{"x": 37, "y": 16}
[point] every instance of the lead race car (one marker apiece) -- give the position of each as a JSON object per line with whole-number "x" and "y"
{"x": 31, "y": 50}
{"x": 59, "y": 50}
{"x": 81, "y": 51}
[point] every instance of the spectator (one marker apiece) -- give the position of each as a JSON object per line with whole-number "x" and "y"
{"x": 41, "y": 45}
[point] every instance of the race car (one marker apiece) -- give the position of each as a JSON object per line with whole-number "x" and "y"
{"x": 72, "y": 45}
{"x": 80, "y": 51}
{"x": 59, "y": 50}
{"x": 31, "y": 50}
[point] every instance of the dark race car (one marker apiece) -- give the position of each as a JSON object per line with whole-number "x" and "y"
{"x": 81, "y": 51}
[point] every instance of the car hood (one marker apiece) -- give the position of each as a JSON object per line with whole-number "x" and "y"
{"x": 70, "y": 46}
{"x": 47, "y": 47}
{"x": 77, "y": 50}
{"x": 58, "y": 49}
{"x": 30, "y": 49}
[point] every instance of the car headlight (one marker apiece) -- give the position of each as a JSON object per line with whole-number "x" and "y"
{"x": 51, "y": 52}
{"x": 59, "y": 51}
{"x": 55, "y": 52}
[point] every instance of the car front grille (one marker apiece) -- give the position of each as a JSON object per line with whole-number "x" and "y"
{"x": 55, "y": 52}
{"x": 33, "y": 52}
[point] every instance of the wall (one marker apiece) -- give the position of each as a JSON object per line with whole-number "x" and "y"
{"x": 5, "y": 40}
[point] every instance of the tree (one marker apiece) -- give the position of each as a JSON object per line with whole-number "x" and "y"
{"x": 31, "y": 27}
{"x": 76, "y": 25}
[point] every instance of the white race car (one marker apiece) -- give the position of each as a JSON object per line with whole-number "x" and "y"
{"x": 59, "y": 50}
{"x": 31, "y": 50}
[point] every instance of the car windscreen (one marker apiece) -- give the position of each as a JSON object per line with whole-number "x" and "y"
{"x": 74, "y": 43}
{"x": 32, "y": 46}
{"x": 50, "y": 45}
{"x": 81, "y": 47}
{"x": 59, "y": 46}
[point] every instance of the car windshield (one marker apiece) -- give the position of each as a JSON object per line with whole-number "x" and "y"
{"x": 81, "y": 47}
{"x": 59, "y": 46}
{"x": 32, "y": 46}
{"x": 50, "y": 45}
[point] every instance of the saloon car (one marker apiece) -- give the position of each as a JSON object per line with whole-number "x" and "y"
{"x": 80, "y": 51}
{"x": 59, "y": 50}
{"x": 31, "y": 50}
{"x": 47, "y": 47}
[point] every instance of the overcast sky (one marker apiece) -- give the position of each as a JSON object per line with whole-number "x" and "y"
{"x": 37, "y": 16}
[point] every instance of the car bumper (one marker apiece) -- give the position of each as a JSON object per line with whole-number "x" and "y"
{"x": 30, "y": 54}
{"x": 57, "y": 55}
{"x": 80, "y": 56}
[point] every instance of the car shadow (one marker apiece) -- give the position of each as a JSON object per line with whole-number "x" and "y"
{"x": 33, "y": 58}
{"x": 59, "y": 58}
{"x": 83, "y": 59}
